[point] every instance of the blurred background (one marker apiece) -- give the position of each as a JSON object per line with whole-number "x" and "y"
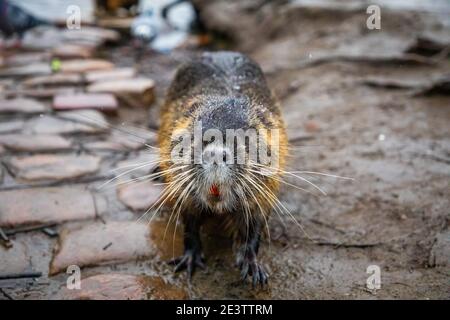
{"x": 364, "y": 88}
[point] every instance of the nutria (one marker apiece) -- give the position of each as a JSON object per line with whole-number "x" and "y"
{"x": 222, "y": 91}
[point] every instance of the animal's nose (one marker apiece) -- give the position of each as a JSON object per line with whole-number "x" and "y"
{"x": 216, "y": 155}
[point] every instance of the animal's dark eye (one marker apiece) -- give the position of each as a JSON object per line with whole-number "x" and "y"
{"x": 224, "y": 155}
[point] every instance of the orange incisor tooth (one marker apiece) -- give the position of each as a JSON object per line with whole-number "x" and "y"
{"x": 214, "y": 190}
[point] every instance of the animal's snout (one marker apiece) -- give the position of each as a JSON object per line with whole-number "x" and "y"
{"x": 215, "y": 155}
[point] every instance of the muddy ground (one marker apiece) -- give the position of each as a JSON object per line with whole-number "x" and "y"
{"x": 372, "y": 105}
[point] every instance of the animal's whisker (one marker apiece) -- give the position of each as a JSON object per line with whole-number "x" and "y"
{"x": 108, "y": 125}
{"x": 164, "y": 196}
{"x": 276, "y": 200}
{"x": 132, "y": 165}
{"x": 299, "y": 177}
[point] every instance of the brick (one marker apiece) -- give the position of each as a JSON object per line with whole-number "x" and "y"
{"x": 80, "y": 121}
{"x": 139, "y": 196}
{"x": 68, "y": 50}
{"x": 113, "y": 74}
{"x": 37, "y": 206}
{"x": 31, "y": 143}
{"x": 100, "y": 101}
{"x": 17, "y": 59}
{"x": 100, "y": 243}
{"x": 136, "y": 163}
{"x": 54, "y": 79}
{"x": 26, "y": 70}
{"x": 11, "y": 126}
{"x": 84, "y": 65}
{"x": 21, "y": 105}
{"x": 40, "y": 92}
{"x": 14, "y": 259}
{"x": 53, "y": 167}
{"x": 135, "y": 91}
{"x": 91, "y": 34}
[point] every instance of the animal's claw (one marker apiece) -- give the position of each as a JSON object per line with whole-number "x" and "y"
{"x": 190, "y": 260}
{"x": 256, "y": 271}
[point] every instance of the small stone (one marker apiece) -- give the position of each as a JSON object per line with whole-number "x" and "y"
{"x": 84, "y": 65}
{"x": 100, "y": 101}
{"x": 101, "y": 243}
{"x": 123, "y": 287}
{"x": 27, "y": 70}
{"x": 138, "y": 90}
{"x": 53, "y": 167}
{"x": 440, "y": 252}
{"x": 31, "y": 143}
{"x": 21, "y": 105}
{"x": 48, "y": 205}
{"x": 80, "y": 121}
{"x": 54, "y": 79}
{"x": 139, "y": 196}
{"x": 104, "y": 75}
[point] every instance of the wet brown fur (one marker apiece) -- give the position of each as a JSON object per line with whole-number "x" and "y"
{"x": 221, "y": 74}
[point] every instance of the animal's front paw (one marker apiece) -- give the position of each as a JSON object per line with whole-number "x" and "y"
{"x": 189, "y": 261}
{"x": 249, "y": 266}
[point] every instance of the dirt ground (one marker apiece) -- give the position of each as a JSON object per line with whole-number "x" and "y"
{"x": 372, "y": 105}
